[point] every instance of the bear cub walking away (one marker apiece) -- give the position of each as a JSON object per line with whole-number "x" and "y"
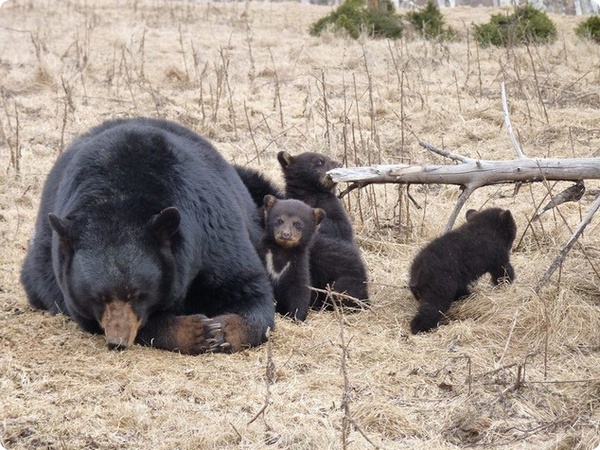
{"x": 306, "y": 179}
{"x": 290, "y": 226}
{"x": 442, "y": 271}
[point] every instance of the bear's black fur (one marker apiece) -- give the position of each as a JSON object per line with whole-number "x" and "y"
{"x": 338, "y": 264}
{"x": 442, "y": 271}
{"x": 306, "y": 179}
{"x": 290, "y": 226}
{"x": 147, "y": 234}
{"x": 257, "y": 184}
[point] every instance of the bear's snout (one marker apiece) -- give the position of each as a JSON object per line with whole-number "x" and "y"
{"x": 121, "y": 324}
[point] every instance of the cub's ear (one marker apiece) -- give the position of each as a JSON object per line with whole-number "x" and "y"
{"x": 319, "y": 215}
{"x": 166, "y": 223}
{"x": 285, "y": 159}
{"x": 506, "y": 216}
{"x": 470, "y": 214}
{"x": 269, "y": 201}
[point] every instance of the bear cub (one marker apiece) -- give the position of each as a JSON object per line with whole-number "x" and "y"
{"x": 290, "y": 226}
{"x": 442, "y": 271}
{"x": 338, "y": 264}
{"x": 306, "y": 179}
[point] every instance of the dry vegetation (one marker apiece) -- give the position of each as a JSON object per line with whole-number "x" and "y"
{"x": 511, "y": 370}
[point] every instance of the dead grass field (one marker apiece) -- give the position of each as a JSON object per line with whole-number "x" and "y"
{"x": 511, "y": 370}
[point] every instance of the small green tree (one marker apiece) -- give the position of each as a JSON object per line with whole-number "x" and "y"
{"x": 430, "y": 23}
{"x": 526, "y": 25}
{"x": 589, "y": 29}
{"x": 354, "y": 17}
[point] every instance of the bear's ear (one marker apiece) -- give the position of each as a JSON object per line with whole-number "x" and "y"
{"x": 319, "y": 215}
{"x": 285, "y": 159}
{"x": 62, "y": 227}
{"x": 166, "y": 223}
{"x": 470, "y": 214}
{"x": 269, "y": 201}
{"x": 506, "y": 216}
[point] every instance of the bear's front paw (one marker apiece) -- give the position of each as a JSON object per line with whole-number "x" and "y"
{"x": 198, "y": 334}
{"x": 234, "y": 332}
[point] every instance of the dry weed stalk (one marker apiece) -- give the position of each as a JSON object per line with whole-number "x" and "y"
{"x": 225, "y": 61}
{"x": 269, "y": 380}
{"x": 277, "y": 97}
{"x": 347, "y": 419}
{"x": 14, "y": 145}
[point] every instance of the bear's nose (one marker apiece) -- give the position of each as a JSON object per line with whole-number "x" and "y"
{"x": 115, "y": 343}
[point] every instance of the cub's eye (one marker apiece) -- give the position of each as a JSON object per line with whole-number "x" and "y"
{"x": 279, "y": 221}
{"x": 320, "y": 162}
{"x": 298, "y": 225}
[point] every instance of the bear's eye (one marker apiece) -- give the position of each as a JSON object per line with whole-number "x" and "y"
{"x": 298, "y": 225}
{"x": 279, "y": 221}
{"x": 320, "y": 162}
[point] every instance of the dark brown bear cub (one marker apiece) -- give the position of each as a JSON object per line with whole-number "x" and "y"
{"x": 306, "y": 179}
{"x": 442, "y": 271}
{"x": 290, "y": 226}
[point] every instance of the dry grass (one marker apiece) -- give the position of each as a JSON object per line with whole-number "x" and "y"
{"x": 511, "y": 370}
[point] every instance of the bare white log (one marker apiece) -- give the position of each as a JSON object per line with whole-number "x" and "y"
{"x": 470, "y": 174}
{"x": 479, "y": 172}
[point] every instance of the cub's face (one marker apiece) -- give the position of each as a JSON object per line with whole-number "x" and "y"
{"x": 290, "y": 223}
{"x": 311, "y": 167}
{"x": 287, "y": 230}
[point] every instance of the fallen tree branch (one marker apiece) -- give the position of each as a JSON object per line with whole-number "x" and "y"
{"x": 471, "y": 174}
{"x": 563, "y": 253}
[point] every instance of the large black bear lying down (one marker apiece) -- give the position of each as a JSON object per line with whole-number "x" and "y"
{"x": 442, "y": 271}
{"x": 146, "y": 234}
{"x": 290, "y": 226}
{"x": 306, "y": 179}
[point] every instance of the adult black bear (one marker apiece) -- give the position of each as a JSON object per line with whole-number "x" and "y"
{"x": 306, "y": 179}
{"x": 442, "y": 271}
{"x": 147, "y": 234}
{"x": 290, "y": 226}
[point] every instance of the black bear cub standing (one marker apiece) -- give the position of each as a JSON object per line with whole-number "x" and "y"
{"x": 442, "y": 271}
{"x": 306, "y": 179}
{"x": 290, "y": 226}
